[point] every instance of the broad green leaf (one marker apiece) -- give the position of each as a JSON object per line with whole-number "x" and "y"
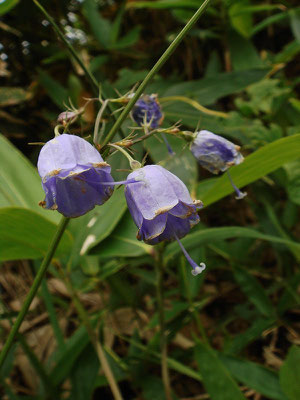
{"x": 100, "y": 26}
{"x": 122, "y": 242}
{"x": 290, "y": 374}
{"x": 254, "y": 376}
{"x": 216, "y": 377}
{"x": 58, "y": 94}
{"x": 153, "y": 388}
{"x": 243, "y": 53}
{"x": 293, "y": 187}
{"x": 208, "y": 90}
{"x": 7, "y": 5}
{"x": 269, "y": 21}
{"x": 242, "y": 22}
{"x": 295, "y": 23}
{"x": 84, "y": 374}
{"x": 25, "y": 234}
{"x": 95, "y": 226}
{"x": 254, "y": 332}
{"x": 20, "y": 184}
{"x": 10, "y": 96}
{"x": 201, "y": 237}
{"x": 65, "y": 360}
{"x": 127, "y": 40}
{"x": 260, "y": 163}
{"x": 254, "y": 291}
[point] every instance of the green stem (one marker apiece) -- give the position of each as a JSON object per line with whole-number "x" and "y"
{"x": 159, "y": 267}
{"x": 34, "y": 288}
{"x": 91, "y": 78}
{"x": 154, "y": 70}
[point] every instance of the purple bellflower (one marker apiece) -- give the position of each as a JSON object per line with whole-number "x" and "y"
{"x": 216, "y": 154}
{"x": 147, "y": 111}
{"x": 161, "y": 207}
{"x": 72, "y": 173}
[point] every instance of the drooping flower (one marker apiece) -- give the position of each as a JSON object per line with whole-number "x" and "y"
{"x": 147, "y": 111}
{"x": 161, "y": 207}
{"x": 72, "y": 173}
{"x": 216, "y": 154}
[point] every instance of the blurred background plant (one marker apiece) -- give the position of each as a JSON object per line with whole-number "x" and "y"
{"x": 237, "y": 324}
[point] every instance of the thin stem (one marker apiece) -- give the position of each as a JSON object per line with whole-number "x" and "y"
{"x": 34, "y": 288}
{"x": 97, "y": 137}
{"x": 93, "y": 337}
{"x": 134, "y": 164}
{"x": 89, "y": 75}
{"x": 154, "y": 70}
{"x": 91, "y": 78}
{"x": 159, "y": 267}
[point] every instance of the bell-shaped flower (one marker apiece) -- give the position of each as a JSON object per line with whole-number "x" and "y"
{"x": 216, "y": 154}
{"x": 161, "y": 207}
{"x": 72, "y": 173}
{"x": 147, "y": 111}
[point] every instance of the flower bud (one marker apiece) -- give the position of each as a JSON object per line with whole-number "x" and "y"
{"x": 66, "y": 117}
{"x": 147, "y": 111}
{"x": 215, "y": 153}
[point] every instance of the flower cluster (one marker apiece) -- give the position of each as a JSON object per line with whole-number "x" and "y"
{"x": 76, "y": 179}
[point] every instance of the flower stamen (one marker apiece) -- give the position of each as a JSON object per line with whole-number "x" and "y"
{"x": 240, "y": 195}
{"x": 197, "y": 269}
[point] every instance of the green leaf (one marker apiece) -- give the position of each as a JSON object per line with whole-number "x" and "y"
{"x": 290, "y": 374}
{"x": 25, "y": 234}
{"x": 58, "y": 94}
{"x": 7, "y": 5}
{"x": 65, "y": 360}
{"x": 208, "y": 90}
{"x": 254, "y": 332}
{"x": 84, "y": 374}
{"x": 100, "y": 26}
{"x": 269, "y": 21}
{"x": 216, "y": 378}
{"x": 260, "y": 163}
{"x": 20, "y": 184}
{"x": 95, "y": 226}
{"x": 295, "y": 23}
{"x": 243, "y": 53}
{"x": 242, "y": 22}
{"x": 254, "y": 291}
{"x": 10, "y": 96}
{"x": 122, "y": 242}
{"x": 254, "y": 376}
{"x": 200, "y": 237}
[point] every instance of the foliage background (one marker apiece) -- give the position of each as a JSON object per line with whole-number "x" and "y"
{"x": 233, "y": 332}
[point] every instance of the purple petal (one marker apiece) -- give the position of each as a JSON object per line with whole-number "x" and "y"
{"x": 67, "y": 152}
{"x": 151, "y": 229}
{"x": 214, "y": 152}
{"x": 158, "y": 191}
